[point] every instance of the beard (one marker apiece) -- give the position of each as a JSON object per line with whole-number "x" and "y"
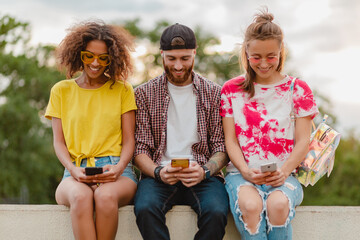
{"x": 178, "y": 80}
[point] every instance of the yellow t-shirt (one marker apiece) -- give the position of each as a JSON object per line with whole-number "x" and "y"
{"x": 91, "y": 118}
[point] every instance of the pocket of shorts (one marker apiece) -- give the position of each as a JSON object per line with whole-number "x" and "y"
{"x": 114, "y": 160}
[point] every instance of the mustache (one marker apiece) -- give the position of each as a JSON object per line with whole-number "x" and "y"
{"x": 186, "y": 70}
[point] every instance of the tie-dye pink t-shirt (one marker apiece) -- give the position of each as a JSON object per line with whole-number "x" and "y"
{"x": 262, "y": 124}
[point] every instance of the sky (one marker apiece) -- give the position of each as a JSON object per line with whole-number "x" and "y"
{"x": 322, "y": 36}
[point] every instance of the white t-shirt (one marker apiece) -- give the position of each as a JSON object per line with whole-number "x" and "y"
{"x": 181, "y": 124}
{"x": 263, "y": 124}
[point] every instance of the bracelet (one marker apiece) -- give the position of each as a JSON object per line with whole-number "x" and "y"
{"x": 206, "y": 171}
{"x": 157, "y": 173}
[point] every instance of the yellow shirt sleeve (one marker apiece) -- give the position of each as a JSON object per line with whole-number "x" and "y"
{"x": 54, "y": 105}
{"x": 128, "y": 99}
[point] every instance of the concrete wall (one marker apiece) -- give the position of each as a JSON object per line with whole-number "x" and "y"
{"x": 50, "y": 222}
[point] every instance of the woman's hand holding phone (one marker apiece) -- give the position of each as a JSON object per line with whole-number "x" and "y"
{"x": 276, "y": 178}
{"x": 110, "y": 174}
{"x": 255, "y": 176}
{"x": 78, "y": 173}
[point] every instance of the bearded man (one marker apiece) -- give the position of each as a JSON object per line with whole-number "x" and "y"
{"x": 178, "y": 118}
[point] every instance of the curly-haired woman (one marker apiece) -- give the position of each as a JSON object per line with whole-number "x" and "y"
{"x": 93, "y": 122}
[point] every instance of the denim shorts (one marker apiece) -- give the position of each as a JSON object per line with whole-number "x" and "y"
{"x": 292, "y": 190}
{"x": 109, "y": 160}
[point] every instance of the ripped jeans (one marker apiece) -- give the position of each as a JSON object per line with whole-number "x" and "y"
{"x": 292, "y": 190}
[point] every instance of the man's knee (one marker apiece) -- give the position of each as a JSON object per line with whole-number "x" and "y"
{"x": 143, "y": 205}
{"x": 216, "y": 211}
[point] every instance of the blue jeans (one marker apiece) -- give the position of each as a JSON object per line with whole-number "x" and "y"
{"x": 109, "y": 160}
{"x": 292, "y": 190}
{"x": 208, "y": 199}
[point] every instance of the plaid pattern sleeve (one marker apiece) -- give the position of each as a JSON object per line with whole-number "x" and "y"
{"x": 143, "y": 135}
{"x": 216, "y": 142}
{"x": 209, "y": 120}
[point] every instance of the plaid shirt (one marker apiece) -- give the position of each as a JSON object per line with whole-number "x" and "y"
{"x": 152, "y": 99}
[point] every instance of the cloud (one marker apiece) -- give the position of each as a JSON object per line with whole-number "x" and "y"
{"x": 89, "y": 6}
{"x": 335, "y": 32}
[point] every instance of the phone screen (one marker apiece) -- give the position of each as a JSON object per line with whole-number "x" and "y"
{"x": 93, "y": 170}
{"x": 180, "y": 162}
{"x": 270, "y": 167}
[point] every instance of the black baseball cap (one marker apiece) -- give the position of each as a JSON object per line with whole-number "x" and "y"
{"x": 177, "y": 30}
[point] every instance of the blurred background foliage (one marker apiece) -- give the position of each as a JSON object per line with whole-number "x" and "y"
{"x": 30, "y": 171}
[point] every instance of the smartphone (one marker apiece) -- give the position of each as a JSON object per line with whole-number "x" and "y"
{"x": 93, "y": 170}
{"x": 269, "y": 167}
{"x": 180, "y": 162}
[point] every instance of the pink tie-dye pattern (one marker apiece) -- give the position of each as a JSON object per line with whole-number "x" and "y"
{"x": 306, "y": 102}
{"x": 262, "y": 138}
{"x": 226, "y": 107}
{"x": 258, "y": 134}
{"x": 226, "y": 104}
{"x": 283, "y": 88}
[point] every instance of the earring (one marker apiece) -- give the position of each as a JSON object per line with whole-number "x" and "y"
{"x": 106, "y": 73}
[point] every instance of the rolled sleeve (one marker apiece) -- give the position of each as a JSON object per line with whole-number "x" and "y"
{"x": 143, "y": 136}
{"x": 216, "y": 141}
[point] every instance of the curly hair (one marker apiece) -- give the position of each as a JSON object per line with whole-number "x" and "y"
{"x": 116, "y": 38}
{"x": 261, "y": 29}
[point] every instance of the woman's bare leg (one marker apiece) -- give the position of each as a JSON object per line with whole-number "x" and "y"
{"x": 277, "y": 208}
{"x": 80, "y": 198}
{"x": 108, "y": 198}
{"x": 251, "y": 206}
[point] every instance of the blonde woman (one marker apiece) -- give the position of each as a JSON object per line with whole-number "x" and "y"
{"x": 259, "y": 132}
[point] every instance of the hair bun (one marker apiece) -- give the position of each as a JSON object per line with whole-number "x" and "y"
{"x": 264, "y": 17}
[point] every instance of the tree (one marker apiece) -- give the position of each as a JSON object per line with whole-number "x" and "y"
{"x": 30, "y": 170}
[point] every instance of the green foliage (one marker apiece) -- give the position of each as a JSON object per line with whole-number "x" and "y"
{"x": 12, "y": 32}
{"x": 29, "y": 165}
{"x": 343, "y": 185}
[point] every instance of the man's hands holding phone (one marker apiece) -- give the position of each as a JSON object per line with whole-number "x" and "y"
{"x": 168, "y": 174}
{"x": 178, "y": 171}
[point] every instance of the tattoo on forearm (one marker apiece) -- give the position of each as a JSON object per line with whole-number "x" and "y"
{"x": 217, "y": 162}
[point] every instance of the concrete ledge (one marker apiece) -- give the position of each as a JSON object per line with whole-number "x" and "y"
{"x": 53, "y": 222}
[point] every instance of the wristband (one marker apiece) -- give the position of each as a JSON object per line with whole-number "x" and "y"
{"x": 207, "y": 172}
{"x": 157, "y": 173}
